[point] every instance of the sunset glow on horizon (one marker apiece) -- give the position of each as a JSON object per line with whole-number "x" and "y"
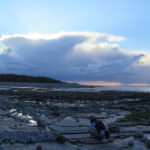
{"x": 104, "y": 83}
{"x": 100, "y": 83}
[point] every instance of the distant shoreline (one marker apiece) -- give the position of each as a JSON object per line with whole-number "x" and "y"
{"x": 73, "y": 87}
{"x": 27, "y": 79}
{"x": 53, "y": 85}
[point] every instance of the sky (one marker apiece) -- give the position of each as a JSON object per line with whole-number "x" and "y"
{"x": 87, "y": 41}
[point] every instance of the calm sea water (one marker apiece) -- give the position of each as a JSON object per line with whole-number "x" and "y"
{"x": 129, "y": 88}
{"x": 75, "y": 87}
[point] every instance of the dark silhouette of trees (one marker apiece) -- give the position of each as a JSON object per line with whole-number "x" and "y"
{"x": 26, "y": 78}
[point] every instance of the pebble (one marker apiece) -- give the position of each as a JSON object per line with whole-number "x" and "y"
{"x": 138, "y": 134}
{"x": 114, "y": 127}
{"x": 26, "y": 137}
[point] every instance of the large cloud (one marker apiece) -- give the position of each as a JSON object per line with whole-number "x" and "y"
{"x": 76, "y": 56}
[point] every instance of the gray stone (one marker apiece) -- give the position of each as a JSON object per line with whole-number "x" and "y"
{"x": 138, "y": 134}
{"x": 131, "y": 143}
{"x": 60, "y": 139}
{"x": 40, "y": 122}
{"x": 148, "y": 144}
{"x": 114, "y": 127}
{"x": 3, "y": 148}
{"x": 39, "y": 147}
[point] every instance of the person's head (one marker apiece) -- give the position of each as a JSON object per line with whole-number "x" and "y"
{"x": 93, "y": 119}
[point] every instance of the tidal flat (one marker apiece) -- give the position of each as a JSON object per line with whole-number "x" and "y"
{"x": 49, "y": 118}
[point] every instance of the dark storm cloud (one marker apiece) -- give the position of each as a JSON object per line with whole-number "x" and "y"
{"x": 72, "y": 56}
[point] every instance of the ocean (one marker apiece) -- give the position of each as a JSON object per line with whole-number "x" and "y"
{"x": 129, "y": 88}
{"x": 74, "y": 87}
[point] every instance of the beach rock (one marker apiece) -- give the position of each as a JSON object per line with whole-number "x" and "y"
{"x": 148, "y": 144}
{"x": 3, "y": 148}
{"x": 26, "y": 137}
{"x": 60, "y": 139}
{"x": 127, "y": 124}
{"x": 131, "y": 143}
{"x": 138, "y": 134}
{"x": 144, "y": 139}
{"x": 40, "y": 122}
{"x": 39, "y": 147}
{"x": 124, "y": 146}
{"x": 125, "y": 135}
{"x": 114, "y": 127}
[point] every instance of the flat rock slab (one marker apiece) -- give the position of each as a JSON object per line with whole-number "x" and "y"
{"x": 69, "y": 129}
{"x": 72, "y": 122}
{"x": 26, "y": 137}
{"x": 76, "y": 136}
{"x": 135, "y": 128}
{"x": 91, "y": 141}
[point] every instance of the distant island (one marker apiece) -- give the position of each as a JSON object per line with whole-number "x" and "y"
{"x": 27, "y": 78}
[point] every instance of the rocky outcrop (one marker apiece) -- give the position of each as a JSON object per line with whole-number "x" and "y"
{"x": 114, "y": 127}
{"x": 26, "y": 137}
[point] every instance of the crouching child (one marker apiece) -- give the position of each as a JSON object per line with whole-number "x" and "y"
{"x": 100, "y": 131}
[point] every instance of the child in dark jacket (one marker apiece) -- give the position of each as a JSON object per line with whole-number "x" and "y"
{"x": 101, "y": 130}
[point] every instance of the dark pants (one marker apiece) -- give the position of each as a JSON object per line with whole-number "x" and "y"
{"x": 107, "y": 134}
{"x": 99, "y": 136}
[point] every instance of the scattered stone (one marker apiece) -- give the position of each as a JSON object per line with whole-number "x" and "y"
{"x": 124, "y": 145}
{"x": 114, "y": 127}
{"x": 40, "y": 122}
{"x": 26, "y": 137}
{"x": 3, "y": 148}
{"x": 39, "y": 147}
{"x": 148, "y": 144}
{"x": 138, "y": 134}
{"x": 15, "y": 126}
{"x": 131, "y": 143}
{"x": 40, "y": 106}
{"x": 60, "y": 139}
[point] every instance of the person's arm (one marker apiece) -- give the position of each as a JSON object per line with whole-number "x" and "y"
{"x": 93, "y": 124}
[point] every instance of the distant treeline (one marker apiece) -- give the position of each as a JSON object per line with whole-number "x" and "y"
{"x": 26, "y": 78}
